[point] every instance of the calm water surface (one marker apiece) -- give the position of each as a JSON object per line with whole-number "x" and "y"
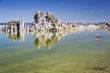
{"x": 78, "y": 52}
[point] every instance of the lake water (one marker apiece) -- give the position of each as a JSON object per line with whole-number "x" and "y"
{"x": 77, "y": 52}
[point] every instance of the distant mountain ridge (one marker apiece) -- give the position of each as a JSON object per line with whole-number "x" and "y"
{"x": 6, "y": 23}
{"x": 3, "y": 23}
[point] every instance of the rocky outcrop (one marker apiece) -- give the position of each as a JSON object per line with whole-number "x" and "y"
{"x": 44, "y": 21}
{"x": 15, "y": 29}
{"x": 48, "y": 22}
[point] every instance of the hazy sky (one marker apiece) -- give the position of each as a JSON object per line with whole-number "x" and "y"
{"x": 66, "y": 10}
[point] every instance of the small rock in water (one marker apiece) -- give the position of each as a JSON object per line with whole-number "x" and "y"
{"x": 98, "y": 36}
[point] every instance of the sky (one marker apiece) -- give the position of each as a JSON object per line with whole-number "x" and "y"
{"x": 84, "y": 11}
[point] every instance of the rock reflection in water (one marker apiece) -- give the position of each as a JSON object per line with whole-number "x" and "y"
{"x": 41, "y": 38}
{"x": 48, "y": 39}
{"x": 16, "y": 36}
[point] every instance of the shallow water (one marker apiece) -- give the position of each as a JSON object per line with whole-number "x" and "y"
{"x": 78, "y": 52}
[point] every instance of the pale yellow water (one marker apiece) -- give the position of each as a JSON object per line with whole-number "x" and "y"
{"x": 79, "y": 52}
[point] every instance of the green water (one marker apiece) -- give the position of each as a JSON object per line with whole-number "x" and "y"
{"x": 78, "y": 52}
